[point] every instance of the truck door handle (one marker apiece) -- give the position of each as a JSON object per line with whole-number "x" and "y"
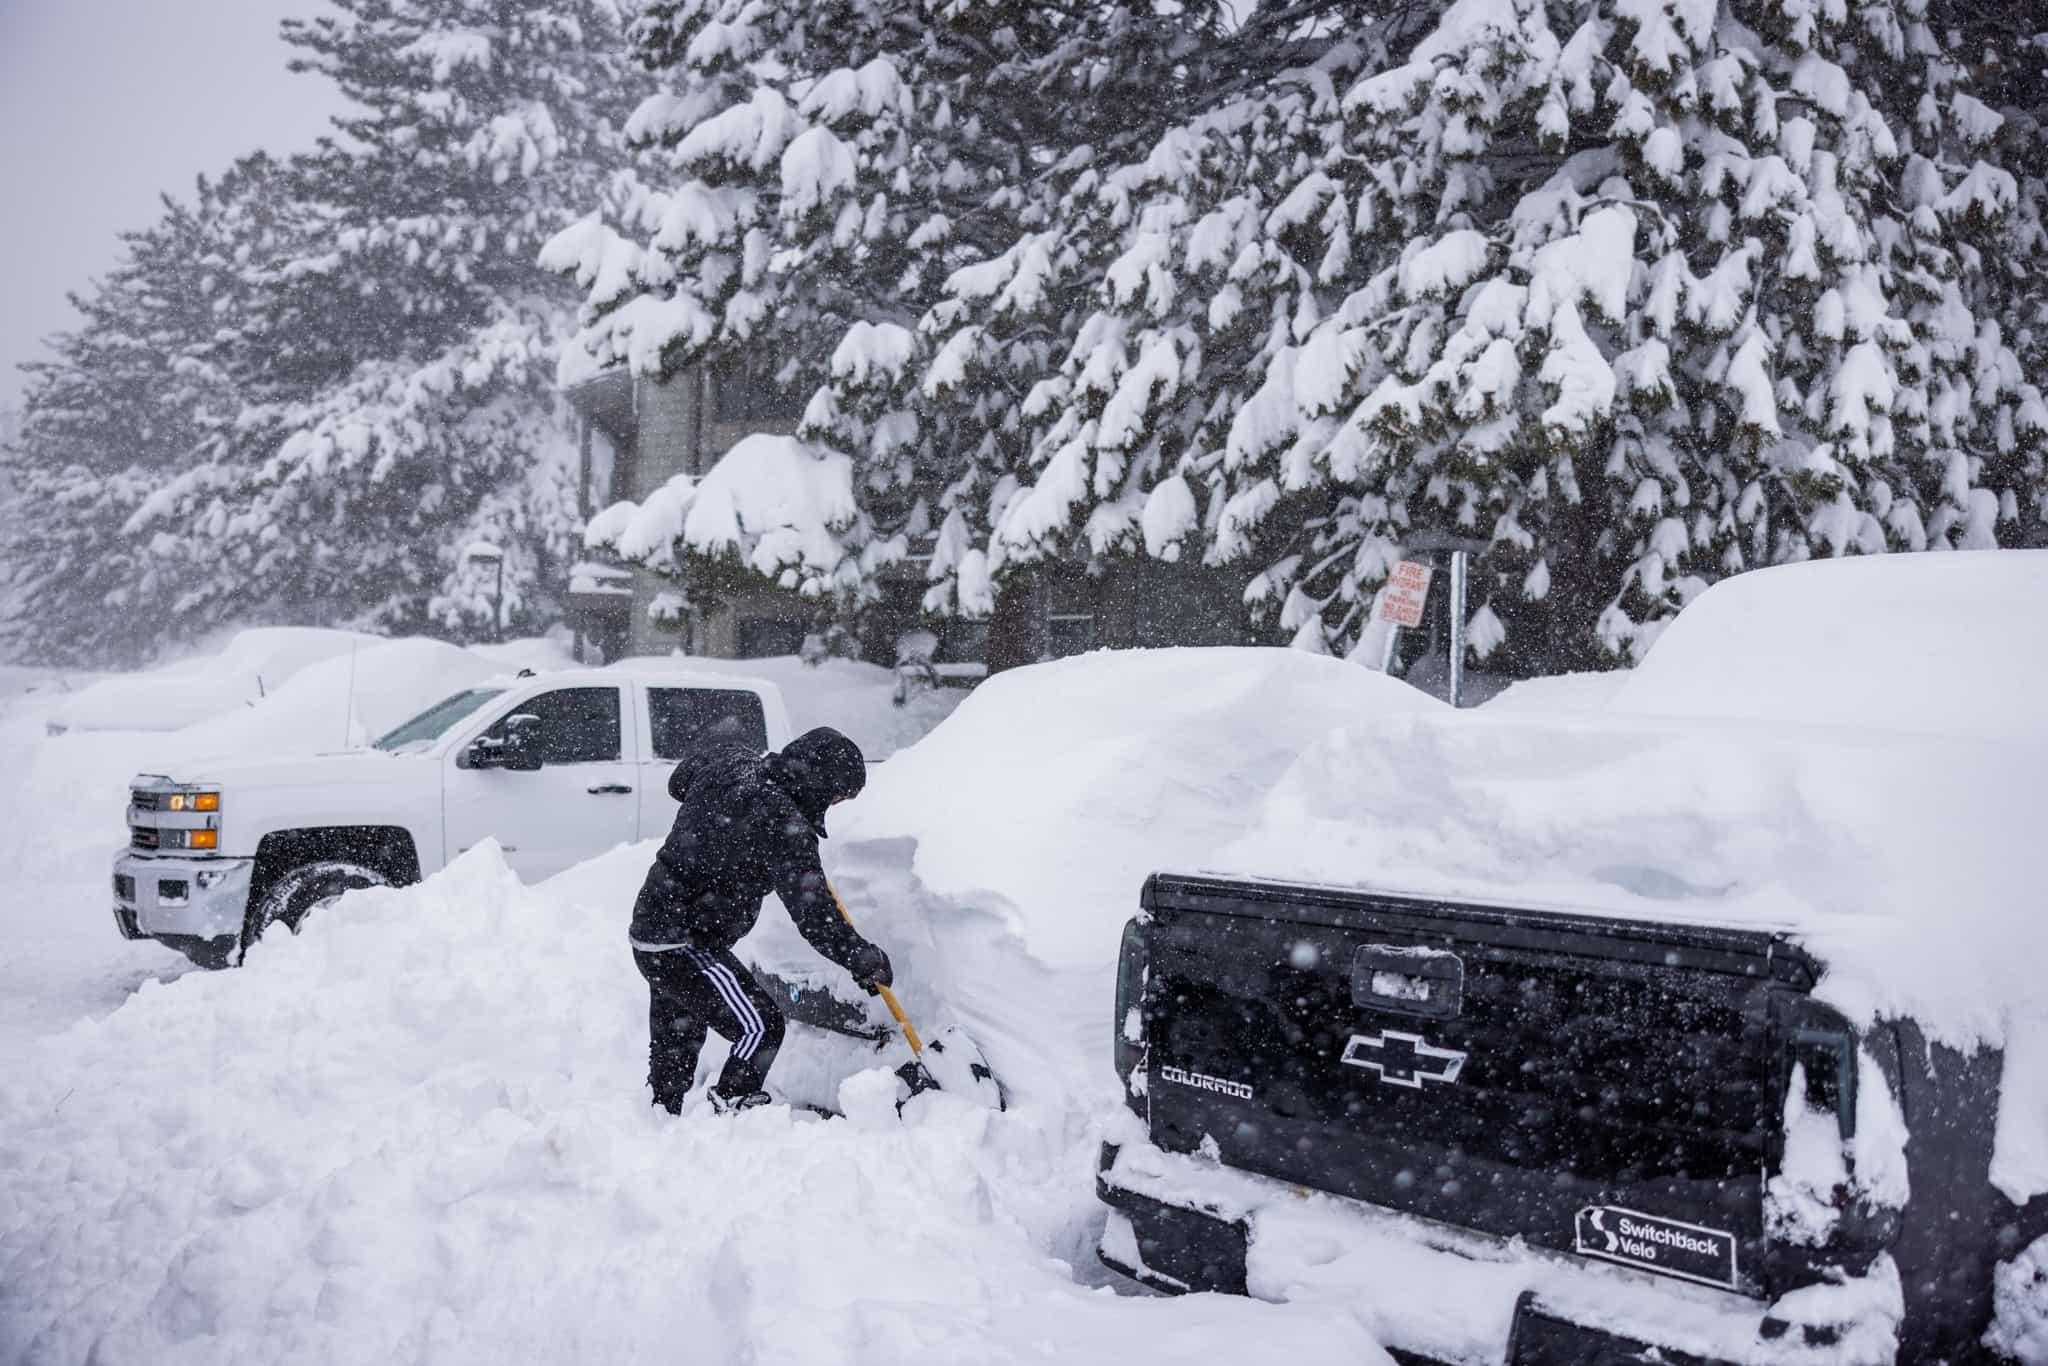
{"x": 609, "y": 790}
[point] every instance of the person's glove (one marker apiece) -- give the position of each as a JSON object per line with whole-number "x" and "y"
{"x": 870, "y": 967}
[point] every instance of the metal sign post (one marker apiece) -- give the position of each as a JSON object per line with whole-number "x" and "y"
{"x": 1458, "y": 558}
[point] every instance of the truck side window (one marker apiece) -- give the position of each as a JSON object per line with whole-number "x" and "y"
{"x": 579, "y": 725}
{"x": 686, "y": 718}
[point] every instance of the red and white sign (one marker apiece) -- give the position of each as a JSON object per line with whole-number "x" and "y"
{"x": 1407, "y": 589}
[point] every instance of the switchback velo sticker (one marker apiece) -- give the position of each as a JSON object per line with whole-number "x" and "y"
{"x": 1665, "y": 1246}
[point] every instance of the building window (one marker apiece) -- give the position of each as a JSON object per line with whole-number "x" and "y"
{"x": 769, "y": 637}
{"x": 1069, "y": 633}
{"x": 962, "y": 642}
{"x": 745, "y": 390}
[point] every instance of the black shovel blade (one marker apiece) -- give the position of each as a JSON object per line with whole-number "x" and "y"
{"x": 916, "y": 1081}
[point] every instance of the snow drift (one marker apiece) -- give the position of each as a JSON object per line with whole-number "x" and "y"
{"x": 1016, "y": 837}
{"x": 419, "y": 1129}
{"x": 250, "y": 666}
{"x": 418, "y": 1132}
{"x": 1848, "y": 751}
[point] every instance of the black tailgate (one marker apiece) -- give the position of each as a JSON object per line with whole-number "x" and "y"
{"x": 1557, "y": 1078}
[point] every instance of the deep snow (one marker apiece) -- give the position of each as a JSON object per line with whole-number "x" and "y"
{"x": 62, "y": 797}
{"x": 1848, "y": 750}
{"x": 417, "y": 1133}
{"x": 418, "y": 1130}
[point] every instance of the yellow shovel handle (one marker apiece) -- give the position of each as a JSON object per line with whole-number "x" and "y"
{"x": 896, "y": 1009}
{"x": 888, "y": 996}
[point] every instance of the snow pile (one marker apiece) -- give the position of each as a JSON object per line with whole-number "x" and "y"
{"x": 418, "y": 1132}
{"x": 22, "y": 680}
{"x": 420, "y": 1129}
{"x": 1560, "y": 692}
{"x": 1008, "y": 848}
{"x": 1898, "y": 857}
{"x": 2019, "y": 1162}
{"x": 343, "y": 702}
{"x": 63, "y": 797}
{"x": 1948, "y": 644}
{"x": 2019, "y": 1325}
{"x": 253, "y": 664}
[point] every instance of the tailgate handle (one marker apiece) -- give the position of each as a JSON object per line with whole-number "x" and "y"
{"x": 1408, "y": 979}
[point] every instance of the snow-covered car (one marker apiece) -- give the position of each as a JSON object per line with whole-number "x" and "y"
{"x": 1705, "y": 1026}
{"x": 556, "y": 768}
{"x": 250, "y": 666}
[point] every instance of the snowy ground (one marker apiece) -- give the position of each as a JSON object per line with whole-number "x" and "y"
{"x": 419, "y": 1132}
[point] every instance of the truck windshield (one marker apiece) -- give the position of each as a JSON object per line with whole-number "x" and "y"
{"x": 431, "y": 724}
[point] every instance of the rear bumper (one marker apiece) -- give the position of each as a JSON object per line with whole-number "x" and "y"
{"x": 181, "y": 898}
{"x": 1436, "y": 1294}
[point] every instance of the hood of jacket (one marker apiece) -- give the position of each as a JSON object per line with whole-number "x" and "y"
{"x": 817, "y": 769}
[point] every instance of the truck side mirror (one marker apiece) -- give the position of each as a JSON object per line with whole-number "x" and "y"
{"x": 519, "y": 749}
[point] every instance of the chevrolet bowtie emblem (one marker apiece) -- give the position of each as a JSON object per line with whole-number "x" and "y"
{"x": 1403, "y": 1059}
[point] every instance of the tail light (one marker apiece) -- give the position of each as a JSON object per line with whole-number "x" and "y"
{"x": 1831, "y": 1062}
{"x": 1824, "y": 1049}
{"x": 1132, "y": 968}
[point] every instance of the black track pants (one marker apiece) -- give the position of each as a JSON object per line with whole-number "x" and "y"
{"x": 689, "y": 990}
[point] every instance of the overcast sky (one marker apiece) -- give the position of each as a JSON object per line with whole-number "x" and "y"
{"x": 106, "y": 103}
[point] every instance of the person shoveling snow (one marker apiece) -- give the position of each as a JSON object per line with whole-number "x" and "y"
{"x": 749, "y": 824}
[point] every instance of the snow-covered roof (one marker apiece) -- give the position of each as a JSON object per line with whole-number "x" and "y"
{"x": 591, "y": 577}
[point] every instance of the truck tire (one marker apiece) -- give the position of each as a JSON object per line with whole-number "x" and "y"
{"x": 296, "y": 892}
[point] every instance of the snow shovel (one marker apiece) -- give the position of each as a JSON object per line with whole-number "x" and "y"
{"x": 950, "y": 1055}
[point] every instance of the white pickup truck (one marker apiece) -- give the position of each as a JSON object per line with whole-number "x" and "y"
{"x": 556, "y": 767}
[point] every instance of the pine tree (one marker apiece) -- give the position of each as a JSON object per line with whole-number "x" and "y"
{"x": 834, "y": 167}
{"x": 396, "y": 364}
{"x": 119, "y": 411}
{"x": 1637, "y": 294}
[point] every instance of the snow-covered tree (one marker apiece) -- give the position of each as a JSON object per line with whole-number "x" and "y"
{"x": 1634, "y": 293}
{"x": 1637, "y": 293}
{"x": 396, "y": 367}
{"x": 119, "y": 410}
{"x": 829, "y": 169}
{"x": 774, "y": 507}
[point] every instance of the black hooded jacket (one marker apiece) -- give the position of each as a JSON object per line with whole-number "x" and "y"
{"x": 750, "y": 824}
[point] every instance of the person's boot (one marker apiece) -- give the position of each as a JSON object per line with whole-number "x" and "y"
{"x": 727, "y": 1105}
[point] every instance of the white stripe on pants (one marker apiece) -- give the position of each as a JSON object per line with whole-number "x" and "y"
{"x": 728, "y": 988}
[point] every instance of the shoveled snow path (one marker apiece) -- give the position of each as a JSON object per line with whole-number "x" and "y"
{"x": 418, "y": 1132}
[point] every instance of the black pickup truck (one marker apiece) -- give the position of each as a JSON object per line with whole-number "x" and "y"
{"x": 1527, "y": 1136}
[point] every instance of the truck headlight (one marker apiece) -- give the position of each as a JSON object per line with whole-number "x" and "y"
{"x": 194, "y": 801}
